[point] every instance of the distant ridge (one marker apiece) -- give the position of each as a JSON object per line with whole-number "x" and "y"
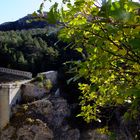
{"x": 28, "y": 22}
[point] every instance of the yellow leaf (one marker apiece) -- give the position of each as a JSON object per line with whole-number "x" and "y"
{"x": 119, "y": 101}
{"x": 127, "y": 30}
{"x": 136, "y": 66}
{"x": 122, "y": 52}
{"x": 114, "y": 48}
{"x": 79, "y": 49}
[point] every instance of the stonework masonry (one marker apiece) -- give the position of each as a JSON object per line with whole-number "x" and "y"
{"x": 10, "y": 90}
{"x": 4, "y": 106}
{"x": 10, "y": 94}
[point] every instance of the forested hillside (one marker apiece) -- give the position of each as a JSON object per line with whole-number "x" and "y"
{"x": 31, "y": 44}
{"x": 33, "y": 50}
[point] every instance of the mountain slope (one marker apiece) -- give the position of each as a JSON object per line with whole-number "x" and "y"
{"x": 28, "y": 22}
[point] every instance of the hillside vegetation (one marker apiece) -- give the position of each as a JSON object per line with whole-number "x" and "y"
{"x": 33, "y": 50}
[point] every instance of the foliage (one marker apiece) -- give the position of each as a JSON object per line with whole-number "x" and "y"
{"x": 43, "y": 82}
{"x": 34, "y": 50}
{"x": 108, "y": 36}
{"x": 40, "y": 78}
{"x": 48, "y": 84}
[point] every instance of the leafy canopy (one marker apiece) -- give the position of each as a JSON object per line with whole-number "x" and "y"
{"x": 108, "y": 36}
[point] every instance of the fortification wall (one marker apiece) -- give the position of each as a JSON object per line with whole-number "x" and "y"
{"x": 16, "y": 72}
{"x": 10, "y": 95}
{"x": 4, "y": 106}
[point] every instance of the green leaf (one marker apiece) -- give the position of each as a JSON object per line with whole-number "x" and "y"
{"x": 79, "y": 50}
{"x": 135, "y": 43}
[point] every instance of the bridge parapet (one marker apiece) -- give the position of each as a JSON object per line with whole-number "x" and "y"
{"x": 16, "y": 72}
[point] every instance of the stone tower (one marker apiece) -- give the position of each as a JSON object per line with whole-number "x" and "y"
{"x": 4, "y": 106}
{"x": 10, "y": 91}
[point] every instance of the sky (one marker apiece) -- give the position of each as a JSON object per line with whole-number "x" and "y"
{"x": 11, "y": 10}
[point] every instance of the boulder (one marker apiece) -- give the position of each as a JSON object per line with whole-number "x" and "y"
{"x": 72, "y": 134}
{"x": 34, "y": 132}
{"x": 31, "y": 91}
{"x": 8, "y": 133}
{"x": 54, "y": 110}
{"x": 38, "y": 87}
{"x": 38, "y": 131}
{"x": 61, "y": 111}
{"x": 93, "y": 134}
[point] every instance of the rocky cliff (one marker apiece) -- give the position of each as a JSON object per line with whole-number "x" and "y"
{"x": 44, "y": 119}
{"x": 50, "y": 117}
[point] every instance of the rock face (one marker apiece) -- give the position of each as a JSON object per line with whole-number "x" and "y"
{"x": 44, "y": 119}
{"x": 31, "y": 91}
{"x": 93, "y": 134}
{"x": 47, "y": 117}
{"x": 37, "y": 131}
{"x": 51, "y": 75}
{"x": 39, "y": 88}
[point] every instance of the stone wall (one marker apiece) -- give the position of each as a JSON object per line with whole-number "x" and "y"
{"x": 16, "y": 72}
{"x": 10, "y": 95}
{"x": 4, "y": 106}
